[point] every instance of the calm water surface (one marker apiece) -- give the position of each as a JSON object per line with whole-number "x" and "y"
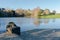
{"x": 31, "y": 23}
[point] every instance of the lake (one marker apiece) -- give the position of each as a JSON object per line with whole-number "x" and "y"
{"x": 30, "y": 23}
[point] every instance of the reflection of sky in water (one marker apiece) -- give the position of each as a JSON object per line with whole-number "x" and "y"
{"x": 30, "y": 23}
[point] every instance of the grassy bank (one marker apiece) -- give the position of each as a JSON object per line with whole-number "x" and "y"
{"x": 50, "y": 16}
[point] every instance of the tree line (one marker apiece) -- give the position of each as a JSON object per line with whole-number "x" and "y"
{"x": 23, "y": 13}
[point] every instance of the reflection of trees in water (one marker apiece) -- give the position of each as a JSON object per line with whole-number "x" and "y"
{"x": 46, "y": 21}
{"x": 36, "y": 22}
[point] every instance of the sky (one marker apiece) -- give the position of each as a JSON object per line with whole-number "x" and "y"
{"x": 31, "y": 4}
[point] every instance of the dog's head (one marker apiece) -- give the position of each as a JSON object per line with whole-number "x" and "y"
{"x": 12, "y": 24}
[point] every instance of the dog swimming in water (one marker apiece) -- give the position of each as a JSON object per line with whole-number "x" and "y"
{"x": 12, "y": 28}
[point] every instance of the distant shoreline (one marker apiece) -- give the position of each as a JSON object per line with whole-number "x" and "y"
{"x": 44, "y": 16}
